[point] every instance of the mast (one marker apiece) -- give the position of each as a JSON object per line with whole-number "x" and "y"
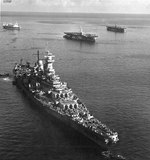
{"x": 81, "y": 30}
{"x": 21, "y": 61}
{"x": 38, "y": 56}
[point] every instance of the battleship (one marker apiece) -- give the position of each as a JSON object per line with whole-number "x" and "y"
{"x": 45, "y": 89}
{"x": 116, "y": 29}
{"x": 80, "y": 36}
{"x": 10, "y": 26}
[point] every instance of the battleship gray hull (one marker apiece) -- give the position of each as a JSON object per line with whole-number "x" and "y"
{"x": 94, "y": 137}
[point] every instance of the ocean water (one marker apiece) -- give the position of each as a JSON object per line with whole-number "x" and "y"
{"x": 112, "y": 77}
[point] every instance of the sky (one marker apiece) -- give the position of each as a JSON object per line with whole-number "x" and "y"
{"x": 87, "y": 6}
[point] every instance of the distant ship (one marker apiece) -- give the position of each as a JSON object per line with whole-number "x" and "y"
{"x": 80, "y": 36}
{"x": 11, "y": 26}
{"x": 45, "y": 89}
{"x": 116, "y": 29}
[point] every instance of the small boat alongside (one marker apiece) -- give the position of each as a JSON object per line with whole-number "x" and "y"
{"x": 10, "y": 26}
{"x": 110, "y": 156}
{"x": 4, "y": 75}
{"x": 116, "y": 28}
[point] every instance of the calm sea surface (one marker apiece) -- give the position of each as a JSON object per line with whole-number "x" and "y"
{"x": 112, "y": 77}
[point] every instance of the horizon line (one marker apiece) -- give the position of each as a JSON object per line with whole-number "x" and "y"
{"x": 77, "y": 12}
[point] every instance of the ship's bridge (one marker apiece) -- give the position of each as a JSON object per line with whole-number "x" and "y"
{"x": 49, "y": 60}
